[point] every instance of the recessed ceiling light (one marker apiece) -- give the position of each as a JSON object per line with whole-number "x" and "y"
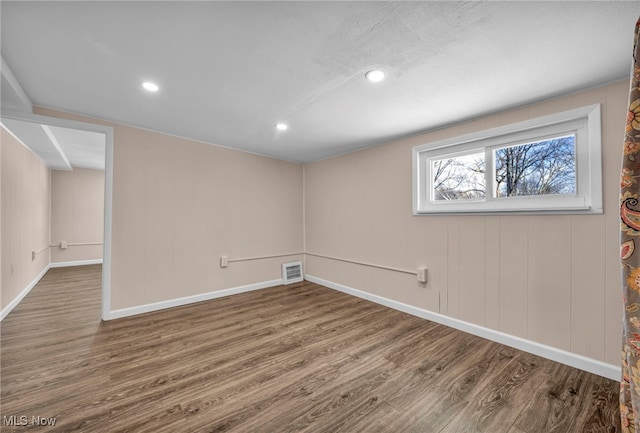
{"x": 282, "y": 126}
{"x": 152, "y": 87}
{"x": 375, "y": 75}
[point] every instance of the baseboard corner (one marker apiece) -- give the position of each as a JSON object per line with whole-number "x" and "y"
{"x": 6, "y": 310}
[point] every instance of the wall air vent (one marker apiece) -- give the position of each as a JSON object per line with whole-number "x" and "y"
{"x": 292, "y": 272}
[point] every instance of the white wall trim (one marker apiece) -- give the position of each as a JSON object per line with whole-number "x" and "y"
{"x": 6, "y": 310}
{"x": 76, "y": 263}
{"x": 146, "y": 308}
{"x": 572, "y": 359}
{"x": 108, "y": 212}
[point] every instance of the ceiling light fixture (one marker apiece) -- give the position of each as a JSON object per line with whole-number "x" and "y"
{"x": 151, "y": 87}
{"x": 375, "y": 75}
{"x": 281, "y": 126}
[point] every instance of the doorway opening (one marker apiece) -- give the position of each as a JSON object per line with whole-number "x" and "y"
{"x": 80, "y": 157}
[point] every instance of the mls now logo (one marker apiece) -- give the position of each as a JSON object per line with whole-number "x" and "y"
{"x": 15, "y": 420}
{"x": 23, "y": 420}
{"x": 40, "y": 420}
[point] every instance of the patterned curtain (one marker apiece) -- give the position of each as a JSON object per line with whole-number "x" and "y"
{"x": 630, "y": 232}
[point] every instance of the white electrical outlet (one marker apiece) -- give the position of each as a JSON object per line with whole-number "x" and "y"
{"x": 63, "y": 245}
{"x": 422, "y": 275}
{"x": 224, "y": 261}
{"x": 12, "y": 267}
{"x": 33, "y": 255}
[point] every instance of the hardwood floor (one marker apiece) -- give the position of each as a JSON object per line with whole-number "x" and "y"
{"x": 300, "y": 358}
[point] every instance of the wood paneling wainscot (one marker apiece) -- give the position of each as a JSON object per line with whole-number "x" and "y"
{"x": 551, "y": 279}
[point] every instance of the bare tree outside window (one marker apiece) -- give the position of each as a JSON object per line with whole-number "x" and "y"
{"x": 548, "y": 165}
{"x": 459, "y": 178}
{"x": 538, "y": 168}
{"x": 543, "y": 167}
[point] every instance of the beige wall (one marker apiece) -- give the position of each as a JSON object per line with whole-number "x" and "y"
{"x": 178, "y": 205}
{"x": 25, "y": 191}
{"x": 550, "y": 279}
{"x": 77, "y": 214}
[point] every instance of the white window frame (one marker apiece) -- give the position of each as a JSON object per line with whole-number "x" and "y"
{"x": 584, "y": 122}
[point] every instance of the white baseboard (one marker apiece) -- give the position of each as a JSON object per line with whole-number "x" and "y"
{"x": 76, "y": 263}
{"x": 146, "y": 308}
{"x": 574, "y": 360}
{"x": 6, "y": 310}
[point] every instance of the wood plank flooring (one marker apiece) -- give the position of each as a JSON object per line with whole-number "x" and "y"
{"x": 300, "y": 358}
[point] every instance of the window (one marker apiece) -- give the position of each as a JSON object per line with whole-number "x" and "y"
{"x": 547, "y": 165}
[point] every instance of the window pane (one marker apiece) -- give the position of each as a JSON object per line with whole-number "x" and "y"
{"x": 538, "y": 168}
{"x": 459, "y": 178}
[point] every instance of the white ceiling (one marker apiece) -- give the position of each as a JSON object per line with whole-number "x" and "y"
{"x": 228, "y": 71}
{"x": 85, "y": 149}
{"x": 60, "y": 148}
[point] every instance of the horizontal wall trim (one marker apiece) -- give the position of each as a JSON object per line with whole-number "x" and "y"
{"x": 146, "y": 308}
{"x": 371, "y": 265}
{"x": 273, "y": 256}
{"x": 42, "y": 250}
{"x": 85, "y": 244}
{"x": 75, "y": 263}
{"x": 6, "y": 310}
{"x": 572, "y": 359}
{"x": 80, "y": 244}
